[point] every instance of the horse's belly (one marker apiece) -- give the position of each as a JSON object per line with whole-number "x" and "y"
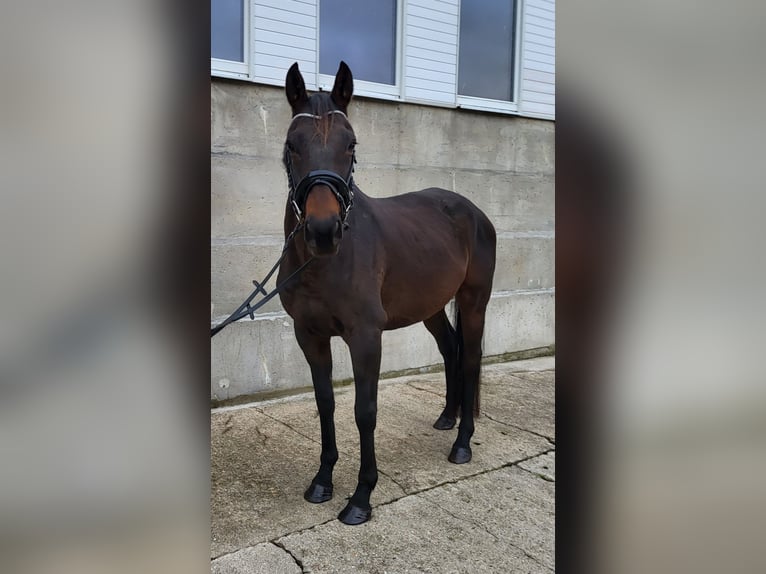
{"x": 411, "y": 300}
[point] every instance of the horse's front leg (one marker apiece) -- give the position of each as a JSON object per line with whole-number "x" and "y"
{"x": 319, "y": 357}
{"x": 365, "y": 358}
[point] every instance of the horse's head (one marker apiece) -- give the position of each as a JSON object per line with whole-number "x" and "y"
{"x": 319, "y": 158}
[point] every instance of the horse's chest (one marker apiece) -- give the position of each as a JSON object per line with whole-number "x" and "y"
{"x": 313, "y": 312}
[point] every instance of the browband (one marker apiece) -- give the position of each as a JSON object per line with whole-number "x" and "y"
{"x": 315, "y": 116}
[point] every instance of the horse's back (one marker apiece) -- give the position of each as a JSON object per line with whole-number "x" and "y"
{"x": 435, "y": 208}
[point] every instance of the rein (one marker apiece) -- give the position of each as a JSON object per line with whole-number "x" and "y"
{"x": 246, "y": 309}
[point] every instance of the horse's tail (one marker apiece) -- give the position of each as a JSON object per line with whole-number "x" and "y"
{"x": 460, "y": 378}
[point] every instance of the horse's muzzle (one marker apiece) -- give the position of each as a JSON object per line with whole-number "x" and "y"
{"x": 323, "y": 235}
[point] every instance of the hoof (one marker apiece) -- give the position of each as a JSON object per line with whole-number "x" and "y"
{"x": 444, "y": 423}
{"x": 460, "y": 455}
{"x": 353, "y": 515}
{"x": 317, "y": 493}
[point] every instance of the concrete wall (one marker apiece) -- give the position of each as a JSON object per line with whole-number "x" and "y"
{"x": 504, "y": 164}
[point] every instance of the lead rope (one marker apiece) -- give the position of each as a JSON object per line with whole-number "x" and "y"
{"x": 246, "y": 309}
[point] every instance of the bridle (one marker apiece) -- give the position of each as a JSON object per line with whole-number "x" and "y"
{"x": 341, "y": 187}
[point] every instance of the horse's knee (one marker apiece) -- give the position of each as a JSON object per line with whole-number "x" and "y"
{"x": 366, "y": 417}
{"x": 325, "y": 404}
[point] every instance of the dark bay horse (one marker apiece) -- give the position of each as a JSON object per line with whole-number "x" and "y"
{"x": 376, "y": 264}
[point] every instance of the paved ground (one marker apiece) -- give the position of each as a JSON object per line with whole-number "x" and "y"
{"x": 494, "y": 514}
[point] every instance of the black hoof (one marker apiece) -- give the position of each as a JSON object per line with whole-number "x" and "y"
{"x": 353, "y": 515}
{"x": 444, "y": 423}
{"x": 459, "y": 455}
{"x": 317, "y": 493}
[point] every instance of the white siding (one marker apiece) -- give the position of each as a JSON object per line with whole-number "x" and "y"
{"x": 537, "y": 77}
{"x": 283, "y": 32}
{"x": 430, "y": 51}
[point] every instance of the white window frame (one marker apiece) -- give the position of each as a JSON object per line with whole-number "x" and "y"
{"x": 244, "y": 71}
{"x": 371, "y": 89}
{"x": 230, "y": 68}
{"x": 486, "y": 104}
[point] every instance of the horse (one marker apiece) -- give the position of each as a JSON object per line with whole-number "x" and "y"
{"x": 376, "y": 264}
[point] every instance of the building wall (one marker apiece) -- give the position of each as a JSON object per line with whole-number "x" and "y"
{"x": 280, "y": 32}
{"x": 504, "y": 164}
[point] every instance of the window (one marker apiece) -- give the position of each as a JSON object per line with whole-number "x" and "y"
{"x": 228, "y": 37}
{"x": 491, "y": 55}
{"x": 363, "y": 33}
{"x": 487, "y": 50}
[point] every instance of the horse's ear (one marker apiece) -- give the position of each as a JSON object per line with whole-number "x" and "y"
{"x": 295, "y": 88}
{"x": 344, "y": 86}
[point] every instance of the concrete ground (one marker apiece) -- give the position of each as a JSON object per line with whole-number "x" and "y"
{"x": 494, "y": 514}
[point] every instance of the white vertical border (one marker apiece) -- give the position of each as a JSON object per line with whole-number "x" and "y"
{"x": 527, "y": 113}
{"x": 457, "y": 54}
{"x": 517, "y": 48}
{"x": 229, "y": 68}
{"x": 319, "y": 83}
{"x": 400, "y": 47}
{"x": 405, "y": 95}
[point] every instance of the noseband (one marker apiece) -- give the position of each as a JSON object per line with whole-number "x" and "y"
{"x": 341, "y": 187}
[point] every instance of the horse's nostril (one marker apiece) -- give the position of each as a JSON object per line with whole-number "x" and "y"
{"x": 338, "y": 232}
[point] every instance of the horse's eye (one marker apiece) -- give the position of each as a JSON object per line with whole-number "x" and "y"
{"x": 290, "y": 147}
{"x": 352, "y": 146}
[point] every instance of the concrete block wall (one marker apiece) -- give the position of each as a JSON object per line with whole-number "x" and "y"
{"x": 504, "y": 164}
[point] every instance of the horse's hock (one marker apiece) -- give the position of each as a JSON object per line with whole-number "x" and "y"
{"x": 503, "y": 164}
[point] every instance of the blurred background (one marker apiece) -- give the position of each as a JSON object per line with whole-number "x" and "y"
{"x": 660, "y": 279}
{"x": 104, "y": 296}
{"x": 103, "y": 241}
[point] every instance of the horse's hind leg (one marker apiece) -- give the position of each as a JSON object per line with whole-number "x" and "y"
{"x": 319, "y": 357}
{"x": 472, "y": 303}
{"x": 446, "y": 338}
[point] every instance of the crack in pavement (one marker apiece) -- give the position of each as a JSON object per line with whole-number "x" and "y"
{"x": 276, "y": 540}
{"x": 490, "y": 417}
{"x": 483, "y": 527}
{"x": 462, "y": 478}
{"x": 392, "y": 479}
{"x": 538, "y": 475}
{"x": 527, "y": 372}
{"x": 460, "y": 518}
{"x": 293, "y": 556}
{"x": 412, "y": 385}
{"x": 517, "y": 427}
{"x": 533, "y": 558}
{"x": 340, "y": 451}
{"x": 312, "y": 439}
